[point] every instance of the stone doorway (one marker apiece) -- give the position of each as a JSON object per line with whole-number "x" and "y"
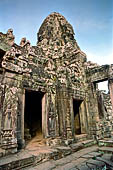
{"x": 77, "y": 121}
{"x": 33, "y": 116}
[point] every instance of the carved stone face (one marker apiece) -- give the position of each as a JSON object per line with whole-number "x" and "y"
{"x": 55, "y": 26}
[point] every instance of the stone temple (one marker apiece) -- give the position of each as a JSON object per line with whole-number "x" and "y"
{"x": 50, "y": 91}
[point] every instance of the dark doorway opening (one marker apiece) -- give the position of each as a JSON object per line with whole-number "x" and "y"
{"x": 76, "y": 110}
{"x": 33, "y": 114}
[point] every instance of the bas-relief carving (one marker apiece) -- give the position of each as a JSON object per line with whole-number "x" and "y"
{"x": 9, "y": 116}
{"x": 51, "y": 120}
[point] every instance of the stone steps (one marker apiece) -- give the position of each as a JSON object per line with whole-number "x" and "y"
{"x": 106, "y": 142}
{"x": 80, "y": 145}
{"x": 81, "y": 137}
{"x": 108, "y": 163}
{"x": 106, "y": 149}
{"x": 16, "y": 161}
{"x": 32, "y": 157}
{"x": 69, "y": 161}
{"x": 27, "y": 158}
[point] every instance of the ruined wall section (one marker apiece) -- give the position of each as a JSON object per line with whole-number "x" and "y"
{"x": 106, "y": 120}
{"x": 91, "y": 101}
{"x": 99, "y": 125}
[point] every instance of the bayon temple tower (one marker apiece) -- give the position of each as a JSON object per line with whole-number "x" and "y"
{"x": 50, "y": 91}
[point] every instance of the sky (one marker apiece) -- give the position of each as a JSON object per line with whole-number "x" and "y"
{"x": 92, "y": 21}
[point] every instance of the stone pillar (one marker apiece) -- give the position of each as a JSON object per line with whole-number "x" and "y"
{"x": 20, "y": 119}
{"x": 64, "y": 113}
{"x": 51, "y": 120}
{"x": 52, "y": 117}
{"x": 83, "y": 117}
{"x": 60, "y": 104}
{"x": 88, "y": 116}
{"x": 44, "y": 117}
{"x": 1, "y": 108}
{"x": 94, "y": 129}
{"x": 111, "y": 91}
{"x": 68, "y": 116}
{"x": 9, "y": 119}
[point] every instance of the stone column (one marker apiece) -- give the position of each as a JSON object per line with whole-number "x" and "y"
{"x": 20, "y": 119}
{"x": 83, "y": 117}
{"x": 94, "y": 129}
{"x": 52, "y": 117}
{"x": 88, "y": 116}
{"x": 64, "y": 112}
{"x": 61, "y": 114}
{"x": 111, "y": 91}
{"x": 68, "y": 118}
{"x": 44, "y": 117}
{"x": 1, "y": 108}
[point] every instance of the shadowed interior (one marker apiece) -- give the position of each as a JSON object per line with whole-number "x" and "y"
{"x": 33, "y": 114}
{"x": 76, "y": 110}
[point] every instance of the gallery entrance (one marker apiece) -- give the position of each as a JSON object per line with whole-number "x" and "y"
{"x": 77, "y": 121}
{"x": 33, "y": 115}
